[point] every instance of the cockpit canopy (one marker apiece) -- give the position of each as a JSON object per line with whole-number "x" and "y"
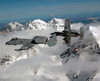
{"x": 13, "y": 39}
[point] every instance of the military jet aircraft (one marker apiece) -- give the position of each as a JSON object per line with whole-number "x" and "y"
{"x": 28, "y": 43}
{"x": 67, "y": 33}
{"x": 88, "y": 45}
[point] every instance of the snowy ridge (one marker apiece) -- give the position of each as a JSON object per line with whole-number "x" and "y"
{"x": 14, "y": 26}
{"x": 35, "y": 63}
{"x": 88, "y": 52}
{"x": 95, "y": 20}
{"x": 57, "y": 23}
{"x": 43, "y": 63}
{"x": 37, "y": 24}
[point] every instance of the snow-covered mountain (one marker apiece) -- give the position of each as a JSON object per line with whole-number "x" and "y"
{"x": 37, "y": 24}
{"x": 43, "y": 63}
{"x": 57, "y": 21}
{"x": 14, "y": 26}
{"x": 94, "y": 19}
{"x": 57, "y": 24}
{"x": 88, "y": 54}
{"x": 40, "y": 24}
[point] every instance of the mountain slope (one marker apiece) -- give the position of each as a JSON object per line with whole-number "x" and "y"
{"x": 43, "y": 63}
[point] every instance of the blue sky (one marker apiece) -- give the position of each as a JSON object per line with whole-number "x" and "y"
{"x": 15, "y": 10}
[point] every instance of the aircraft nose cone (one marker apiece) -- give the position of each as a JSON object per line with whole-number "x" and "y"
{"x": 7, "y": 43}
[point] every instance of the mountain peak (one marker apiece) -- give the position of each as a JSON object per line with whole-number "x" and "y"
{"x": 36, "y": 24}
{"x": 12, "y": 26}
{"x": 57, "y": 21}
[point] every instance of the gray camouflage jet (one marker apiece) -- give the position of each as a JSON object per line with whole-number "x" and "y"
{"x": 28, "y": 43}
{"x": 67, "y": 33}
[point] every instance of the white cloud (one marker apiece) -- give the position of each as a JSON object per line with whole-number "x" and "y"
{"x": 45, "y": 64}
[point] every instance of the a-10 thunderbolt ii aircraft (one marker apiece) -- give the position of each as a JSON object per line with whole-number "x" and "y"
{"x": 67, "y": 33}
{"x": 28, "y": 43}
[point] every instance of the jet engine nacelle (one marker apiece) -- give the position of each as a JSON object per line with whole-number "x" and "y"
{"x": 39, "y": 40}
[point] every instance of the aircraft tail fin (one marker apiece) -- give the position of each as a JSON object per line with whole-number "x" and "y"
{"x": 81, "y": 33}
{"x": 52, "y": 40}
{"x": 67, "y": 25}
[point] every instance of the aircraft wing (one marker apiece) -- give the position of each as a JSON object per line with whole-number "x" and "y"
{"x": 57, "y": 33}
{"x": 25, "y": 47}
{"x": 18, "y": 41}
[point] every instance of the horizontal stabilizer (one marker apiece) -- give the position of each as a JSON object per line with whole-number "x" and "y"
{"x": 58, "y": 33}
{"x": 25, "y": 47}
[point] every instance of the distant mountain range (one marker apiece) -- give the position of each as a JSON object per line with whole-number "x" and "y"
{"x": 43, "y": 63}
{"x": 40, "y": 24}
